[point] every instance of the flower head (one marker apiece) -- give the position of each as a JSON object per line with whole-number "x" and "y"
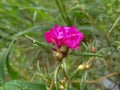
{"x": 64, "y": 35}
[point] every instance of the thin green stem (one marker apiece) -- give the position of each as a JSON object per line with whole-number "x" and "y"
{"x": 62, "y": 8}
{"x": 69, "y": 79}
{"x": 65, "y": 12}
{"x": 56, "y": 74}
{"x": 66, "y": 85}
{"x": 114, "y": 24}
{"x": 86, "y": 14}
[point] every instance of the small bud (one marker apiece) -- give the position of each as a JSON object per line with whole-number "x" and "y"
{"x": 93, "y": 49}
{"x": 62, "y": 87}
{"x": 87, "y": 66}
{"x": 81, "y": 67}
{"x": 4, "y": 49}
{"x": 63, "y": 49}
{"x": 58, "y": 55}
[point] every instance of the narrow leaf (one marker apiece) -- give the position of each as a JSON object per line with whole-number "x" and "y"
{"x": 24, "y": 85}
{"x": 4, "y": 58}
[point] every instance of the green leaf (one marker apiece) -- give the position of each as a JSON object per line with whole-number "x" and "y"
{"x": 56, "y": 74}
{"x": 4, "y": 58}
{"x": 1, "y": 88}
{"x": 5, "y": 63}
{"x": 82, "y": 82}
{"x": 86, "y": 54}
{"x": 91, "y": 54}
{"x": 37, "y": 43}
{"x": 23, "y": 85}
{"x": 32, "y": 29}
{"x": 13, "y": 74}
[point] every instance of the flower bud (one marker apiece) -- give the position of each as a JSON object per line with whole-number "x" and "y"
{"x": 62, "y": 87}
{"x": 81, "y": 67}
{"x": 63, "y": 49}
{"x": 87, "y": 66}
{"x": 93, "y": 49}
{"x": 58, "y": 55}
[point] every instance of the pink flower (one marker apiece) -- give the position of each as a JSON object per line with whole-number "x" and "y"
{"x": 64, "y": 35}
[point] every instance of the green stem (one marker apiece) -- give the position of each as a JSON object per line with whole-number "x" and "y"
{"x": 66, "y": 85}
{"x": 86, "y": 14}
{"x": 56, "y": 74}
{"x": 114, "y": 24}
{"x": 63, "y": 11}
{"x": 60, "y": 9}
{"x": 69, "y": 79}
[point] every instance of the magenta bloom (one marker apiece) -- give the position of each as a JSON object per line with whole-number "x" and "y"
{"x": 64, "y": 35}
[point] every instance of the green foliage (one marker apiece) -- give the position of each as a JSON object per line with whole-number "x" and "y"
{"x": 25, "y": 55}
{"x": 5, "y": 62}
{"x": 22, "y": 85}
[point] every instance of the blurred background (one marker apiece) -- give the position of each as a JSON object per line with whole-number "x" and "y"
{"x": 25, "y": 55}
